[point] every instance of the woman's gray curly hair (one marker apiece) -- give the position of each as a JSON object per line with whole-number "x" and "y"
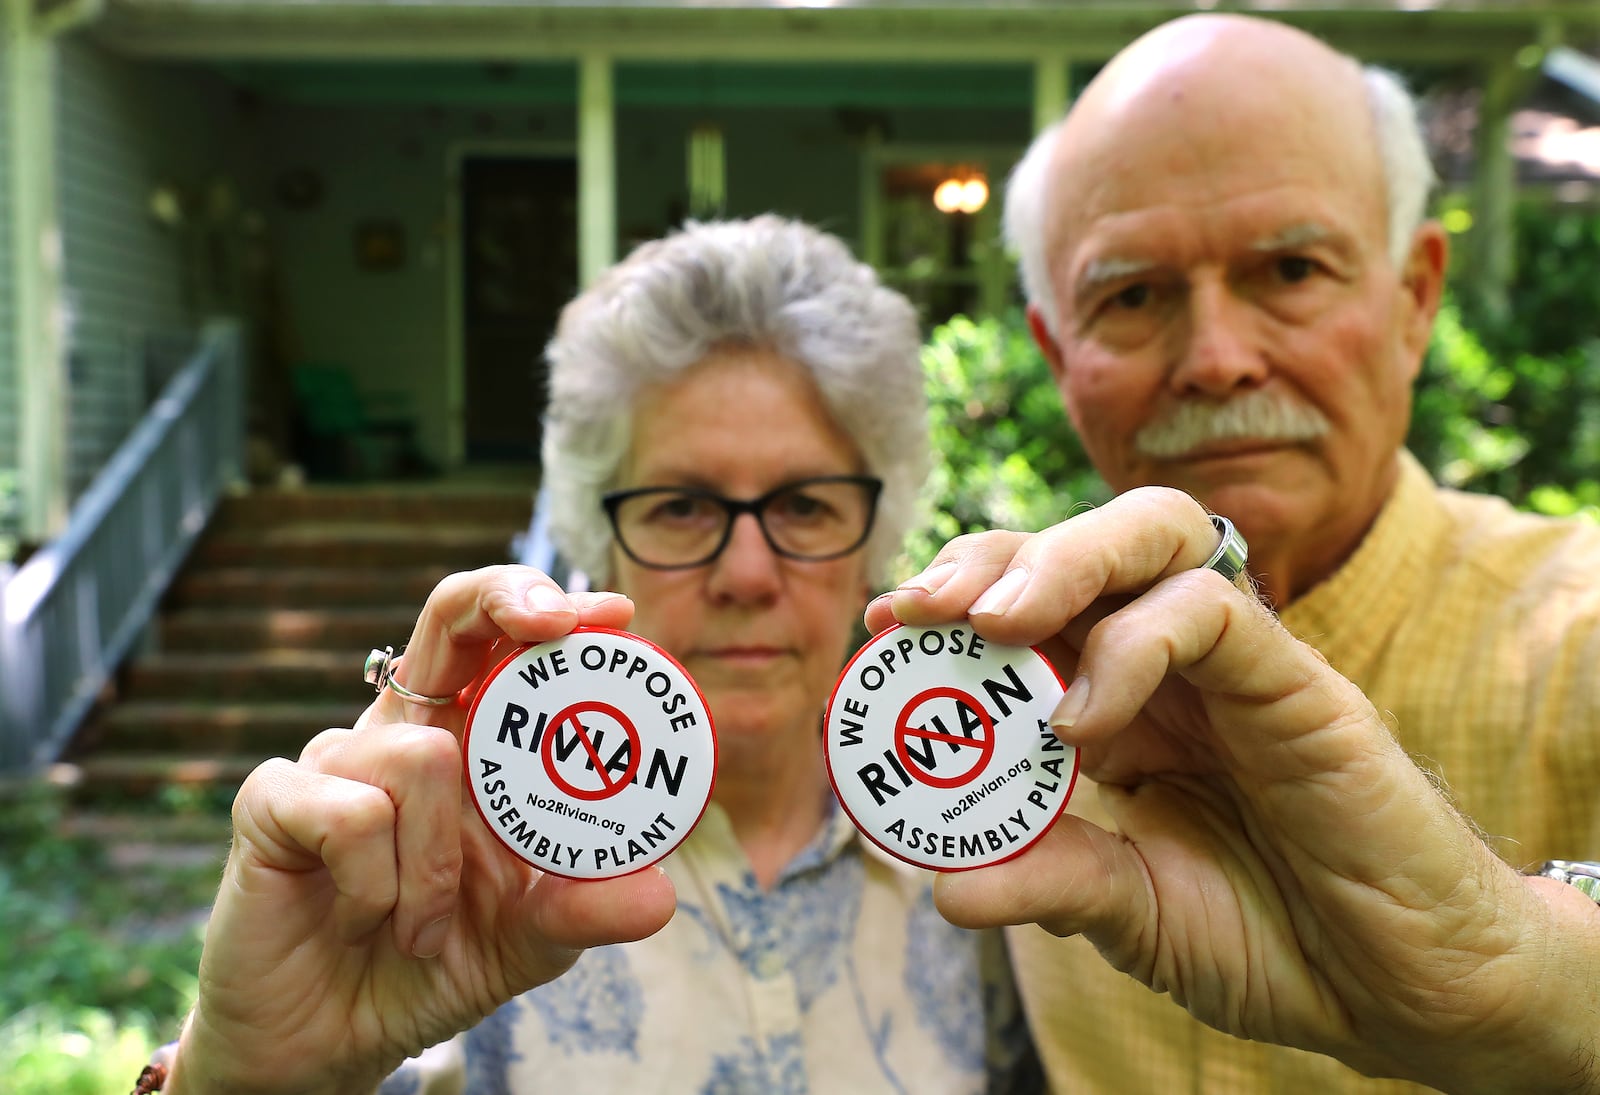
{"x": 768, "y": 282}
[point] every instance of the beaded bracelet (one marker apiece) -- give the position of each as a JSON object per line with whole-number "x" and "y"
{"x": 150, "y": 1080}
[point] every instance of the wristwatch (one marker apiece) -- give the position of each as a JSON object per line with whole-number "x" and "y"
{"x": 1582, "y": 874}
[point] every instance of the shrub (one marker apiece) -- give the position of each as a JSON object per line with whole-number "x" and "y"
{"x": 1004, "y": 454}
{"x": 84, "y": 1051}
{"x": 99, "y": 967}
{"x": 1512, "y": 406}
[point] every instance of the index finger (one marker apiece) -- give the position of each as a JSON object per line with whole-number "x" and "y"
{"x": 470, "y": 620}
{"x": 1023, "y": 589}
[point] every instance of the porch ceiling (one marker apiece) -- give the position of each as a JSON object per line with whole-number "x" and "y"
{"x": 691, "y": 84}
{"x": 809, "y": 30}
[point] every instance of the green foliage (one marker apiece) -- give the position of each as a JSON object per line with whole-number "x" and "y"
{"x": 1555, "y": 300}
{"x": 1457, "y": 428}
{"x": 1512, "y": 407}
{"x": 99, "y": 966}
{"x": 1004, "y": 454}
{"x": 87, "y": 1051}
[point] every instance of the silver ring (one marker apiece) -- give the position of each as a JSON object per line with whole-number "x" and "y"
{"x": 379, "y": 673}
{"x": 1231, "y": 554}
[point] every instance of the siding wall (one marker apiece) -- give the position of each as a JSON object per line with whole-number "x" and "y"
{"x": 135, "y": 288}
{"x": 388, "y": 329}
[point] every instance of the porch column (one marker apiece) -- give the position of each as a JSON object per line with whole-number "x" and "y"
{"x": 1051, "y": 95}
{"x": 36, "y": 303}
{"x": 597, "y": 167}
{"x": 869, "y": 197}
{"x": 1490, "y": 245}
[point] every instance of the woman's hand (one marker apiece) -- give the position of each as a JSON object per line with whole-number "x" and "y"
{"x": 1267, "y": 854}
{"x": 365, "y": 912}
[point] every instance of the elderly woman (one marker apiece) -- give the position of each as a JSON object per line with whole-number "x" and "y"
{"x": 736, "y": 438}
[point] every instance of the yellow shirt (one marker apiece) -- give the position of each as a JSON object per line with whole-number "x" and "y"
{"x": 1475, "y": 631}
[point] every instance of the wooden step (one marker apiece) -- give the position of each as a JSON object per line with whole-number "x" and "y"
{"x": 278, "y": 729}
{"x": 261, "y": 642}
{"x": 353, "y": 546}
{"x": 175, "y": 857}
{"x": 272, "y": 675}
{"x": 242, "y": 630}
{"x": 304, "y": 587}
{"x": 509, "y": 506}
{"x": 139, "y": 774}
{"x": 116, "y": 827}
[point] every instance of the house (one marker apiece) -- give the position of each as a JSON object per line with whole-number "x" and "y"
{"x": 399, "y": 195}
{"x": 395, "y": 196}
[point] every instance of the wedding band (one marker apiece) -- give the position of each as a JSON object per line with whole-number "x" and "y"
{"x": 379, "y": 673}
{"x": 1231, "y": 554}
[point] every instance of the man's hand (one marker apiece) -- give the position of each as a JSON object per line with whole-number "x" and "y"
{"x": 365, "y": 912}
{"x": 1268, "y": 854}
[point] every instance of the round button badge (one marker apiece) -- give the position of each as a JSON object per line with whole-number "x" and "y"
{"x": 581, "y": 786}
{"x": 939, "y": 746}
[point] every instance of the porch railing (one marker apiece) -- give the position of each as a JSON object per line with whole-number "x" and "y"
{"x": 72, "y": 612}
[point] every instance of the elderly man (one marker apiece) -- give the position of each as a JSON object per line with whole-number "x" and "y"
{"x": 1229, "y": 272}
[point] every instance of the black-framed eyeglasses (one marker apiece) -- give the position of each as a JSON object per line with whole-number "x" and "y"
{"x": 667, "y": 528}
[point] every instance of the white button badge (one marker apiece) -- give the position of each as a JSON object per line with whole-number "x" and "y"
{"x": 940, "y": 749}
{"x": 590, "y": 756}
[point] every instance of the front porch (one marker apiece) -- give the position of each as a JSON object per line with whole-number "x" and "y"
{"x": 400, "y": 195}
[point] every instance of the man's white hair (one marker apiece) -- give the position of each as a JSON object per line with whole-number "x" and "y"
{"x": 1407, "y": 175}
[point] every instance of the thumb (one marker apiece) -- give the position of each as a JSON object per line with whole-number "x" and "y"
{"x": 1077, "y": 878}
{"x": 590, "y": 913}
{"x": 560, "y": 917}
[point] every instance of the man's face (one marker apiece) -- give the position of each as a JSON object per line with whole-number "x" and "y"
{"x": 1231, "y": 324}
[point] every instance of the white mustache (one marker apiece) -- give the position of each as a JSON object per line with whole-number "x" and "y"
{"x": 1255, "y": 416}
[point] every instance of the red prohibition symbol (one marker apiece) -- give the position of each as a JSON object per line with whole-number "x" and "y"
{"x": 608, "y": 785}
{"x": 921, "y": 769}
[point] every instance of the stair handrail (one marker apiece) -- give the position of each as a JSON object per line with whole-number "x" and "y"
{"x": 73, "y": 610}
{"x": 534, "y": 547}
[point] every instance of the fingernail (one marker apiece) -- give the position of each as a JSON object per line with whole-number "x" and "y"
{"x": 544, "y": 599}
{"x": 1070, "y": 709}
{"x": 998, "y": 597}
{"x": 931, "y": 580}
{"x": 430, "y": 940}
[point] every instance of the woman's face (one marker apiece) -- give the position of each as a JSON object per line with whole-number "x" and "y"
{"x": 763, "y": 636}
